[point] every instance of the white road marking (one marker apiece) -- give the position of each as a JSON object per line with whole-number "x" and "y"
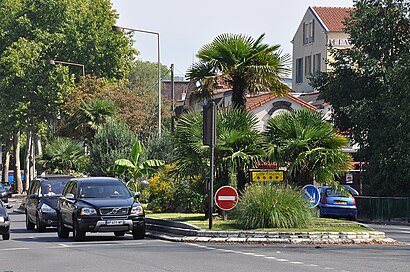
{"x": 15, "y": 248}
{"x": 282, "y": 260}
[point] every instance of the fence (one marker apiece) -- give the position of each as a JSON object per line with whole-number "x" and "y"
{"x": 383, "y": 209}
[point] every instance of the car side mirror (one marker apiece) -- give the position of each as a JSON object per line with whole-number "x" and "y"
{"x": 70, "y": 196}
{"x": 9, "y": 206}
{"x": 33, "y": 196}
{"x": 137, "y": 195}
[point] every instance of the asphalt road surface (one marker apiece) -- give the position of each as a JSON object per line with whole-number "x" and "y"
{"x": 31, "y": 251}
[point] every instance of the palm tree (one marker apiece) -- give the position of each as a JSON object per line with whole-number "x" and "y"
{"x": 308, "y": 145}
{"x": 238, "y": 145}
{"x": 245, "y": 64}
{"x": 64, "y": 156}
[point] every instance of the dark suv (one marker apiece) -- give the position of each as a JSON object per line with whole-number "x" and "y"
{"x": 4, "y": 221}
{"x": 99, "y": 204}
{"x": 41, "y": 201}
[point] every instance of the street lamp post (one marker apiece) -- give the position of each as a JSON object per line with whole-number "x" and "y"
{"x": 54, "y": 62}
{"x": 121, "y": 29}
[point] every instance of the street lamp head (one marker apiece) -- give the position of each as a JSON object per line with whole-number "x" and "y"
{"x": 50, "y": 62}
{"x": 117, "y": 28}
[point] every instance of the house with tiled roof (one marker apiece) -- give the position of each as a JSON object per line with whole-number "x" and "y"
{"x": 264, "y": 105}
{"x": 320, "y": 29}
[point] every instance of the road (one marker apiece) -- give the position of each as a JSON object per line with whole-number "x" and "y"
{"x": 31, "y": 251}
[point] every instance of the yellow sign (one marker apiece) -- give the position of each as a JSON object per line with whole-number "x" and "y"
{"x": 267, "y": 176}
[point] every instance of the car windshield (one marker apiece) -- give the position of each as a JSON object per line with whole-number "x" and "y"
{"x": 53, "y": 187}
{"x": 108, "y": 190}
{"x": 335, "y": 193}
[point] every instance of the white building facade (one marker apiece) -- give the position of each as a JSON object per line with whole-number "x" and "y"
{"x": 320, "y": 29}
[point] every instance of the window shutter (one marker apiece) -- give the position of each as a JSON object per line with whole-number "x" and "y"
{"x": 313, "y": 30}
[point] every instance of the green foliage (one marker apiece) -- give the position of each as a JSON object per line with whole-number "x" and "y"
{"x": 162, "y": 148}
{"x": 245, "y": 64}
{"x": 136, "y": 167}
{"x": 238, "y": 144}
{"x": 308, "y": 145}
{"x": 369, "y": 92}
{"x": 113, "y": 141}
{"x": 64, "y": 156}
{"x": 167, "y": 194}
{"x": 269, "y": 206}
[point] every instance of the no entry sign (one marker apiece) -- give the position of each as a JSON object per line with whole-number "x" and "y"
{"x": 226, "y": 198}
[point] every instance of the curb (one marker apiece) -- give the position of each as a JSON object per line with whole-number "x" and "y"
{"x": 176, "y": 232}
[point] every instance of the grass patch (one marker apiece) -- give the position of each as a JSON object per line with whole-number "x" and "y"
{"x": 318, "y": 224}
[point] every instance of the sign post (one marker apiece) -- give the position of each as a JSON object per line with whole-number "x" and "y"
{"x": 209, "y": 138}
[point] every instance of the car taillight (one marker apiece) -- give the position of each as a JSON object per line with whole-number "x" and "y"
{"x": 354, "y": 201}
{"x": 324, "y": 200}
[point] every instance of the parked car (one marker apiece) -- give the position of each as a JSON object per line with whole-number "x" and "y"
{"x": 4, "y": 221}
{"x": 41, "y": 201}
{"x": 99, "y": 204}
{"x": 4, "y": 196}
{"x": 8, "y": 188}
{"x": 338, "y": 203}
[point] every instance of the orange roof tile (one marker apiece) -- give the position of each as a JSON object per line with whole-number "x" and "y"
{"x": 253, "y": 102}
{"x": 333, "y": 17}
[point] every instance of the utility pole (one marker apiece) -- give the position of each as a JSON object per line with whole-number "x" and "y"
{"x": 172, "y": 99}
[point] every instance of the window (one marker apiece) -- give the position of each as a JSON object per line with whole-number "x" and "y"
{"x": 299, "y": 70}
{"x": 317, "y": 58}
{"x": 309, "y": 32}
{"x": 308, "y": 65}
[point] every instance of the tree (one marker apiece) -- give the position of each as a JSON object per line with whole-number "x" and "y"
{"x": 137, "y": 166}
{"x": 368, "y": 90}
{"x": 309, "y": 147}
{"x": 64, "y": 156}
{"x": 33, "y": 31}
{"x": 113, "y": 141}
{"x": 238, "y": 145}
{"x": 244, "y": 64}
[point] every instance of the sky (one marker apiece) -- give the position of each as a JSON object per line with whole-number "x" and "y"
{"x": 184, "y": 26}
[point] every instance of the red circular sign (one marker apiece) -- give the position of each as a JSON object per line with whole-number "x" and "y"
{"x": 226, "y": 198}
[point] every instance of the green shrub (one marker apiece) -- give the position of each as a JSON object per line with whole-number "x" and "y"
{"x": 112, "y": 142}
{"x": 270, "y": 206}
{"x": 168, "y": 194}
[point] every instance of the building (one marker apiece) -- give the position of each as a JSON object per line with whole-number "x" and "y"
{"x": 320, "y": 29}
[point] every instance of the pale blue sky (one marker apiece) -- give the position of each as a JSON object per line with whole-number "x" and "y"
{"x": 186, "y": 25}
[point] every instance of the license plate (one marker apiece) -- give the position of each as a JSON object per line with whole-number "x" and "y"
{"x": 341, "y": 202}
{"x": 115, "y": 222}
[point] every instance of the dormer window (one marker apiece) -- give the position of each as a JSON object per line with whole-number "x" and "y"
{"x": 308, "y": 32}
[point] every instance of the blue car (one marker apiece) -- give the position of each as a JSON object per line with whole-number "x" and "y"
{"x": 337, "y": 203}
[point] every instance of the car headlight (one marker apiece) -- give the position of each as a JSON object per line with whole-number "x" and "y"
{"x": 2, "y": 219}
{"x": 88, "y": 211}
{"x": 47, "y": 209}
{"x": 138, "y": 210}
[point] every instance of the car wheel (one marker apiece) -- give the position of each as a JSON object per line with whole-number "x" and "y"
{"x": 119, "y": 233}
{"x": 138, "y": 233}
{"x": 29, "y": 224}
{"x": 77, "y": 234}
{"x": 39, "y": 225}
{"x": 6, "y": 236}
{"x": 62, "y": 231}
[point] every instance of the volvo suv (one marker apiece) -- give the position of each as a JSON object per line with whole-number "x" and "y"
{"x": 41, "y": 201}
{"x": 99, "y": 204}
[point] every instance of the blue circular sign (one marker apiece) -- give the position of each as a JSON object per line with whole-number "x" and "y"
{"x": 312, "y": 194}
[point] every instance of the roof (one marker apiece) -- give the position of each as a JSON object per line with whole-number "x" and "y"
{"x": 332, "y": 17}
{"x": 253, "y": 102}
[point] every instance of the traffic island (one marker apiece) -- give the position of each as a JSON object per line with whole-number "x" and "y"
{"x": 180, "y": 232}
